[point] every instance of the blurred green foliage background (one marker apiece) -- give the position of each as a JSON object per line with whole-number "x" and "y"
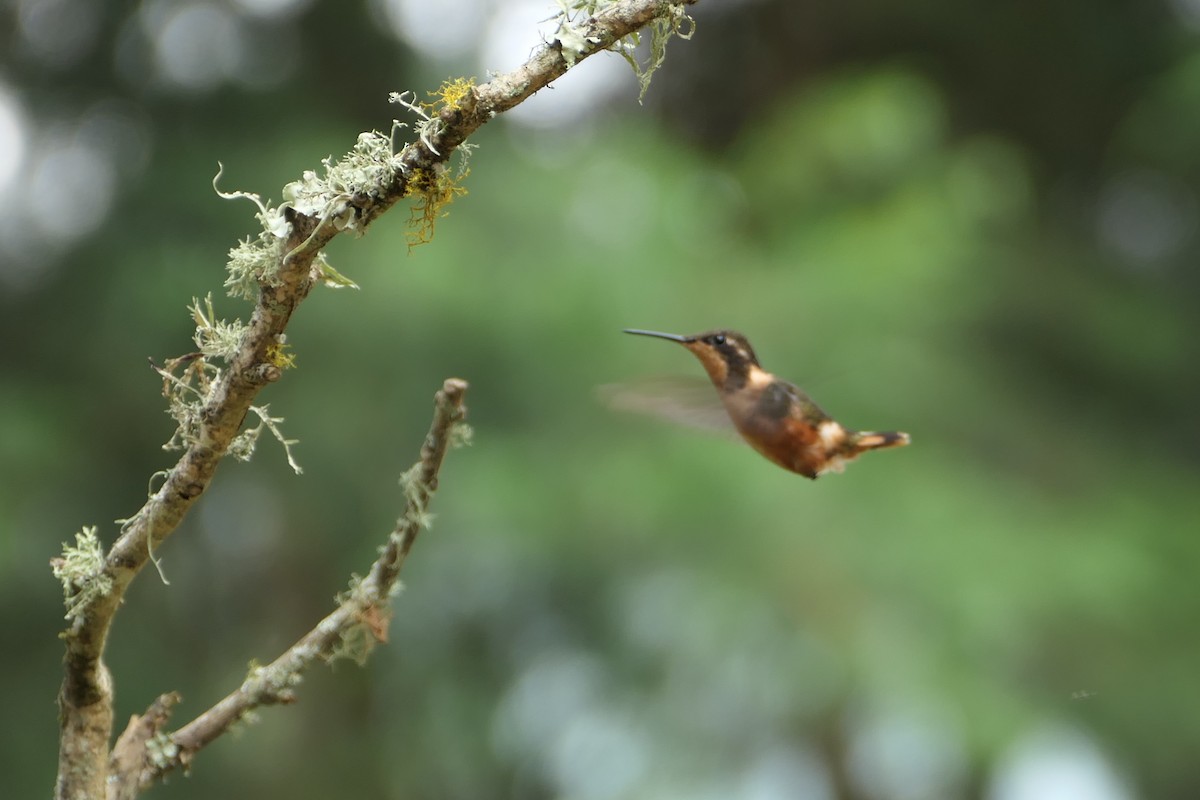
{"x": 976, "y": 223}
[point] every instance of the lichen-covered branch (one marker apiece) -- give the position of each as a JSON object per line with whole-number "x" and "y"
{"x": 277, "y": 270}
{"x": 144, "y": 753}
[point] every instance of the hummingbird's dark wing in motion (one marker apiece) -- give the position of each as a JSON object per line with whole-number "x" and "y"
{"x": 681, "y": 400}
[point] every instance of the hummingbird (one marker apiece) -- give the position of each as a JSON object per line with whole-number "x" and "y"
{"x": 775, "y": 417}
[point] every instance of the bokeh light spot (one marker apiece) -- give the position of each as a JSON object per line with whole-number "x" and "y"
{"x": 198, "y": 46}
{"x": 272, "y": 9}
{"x": 1055, "y": 763}
{"x": 445, "y": 29}
{"x": 13, "y": 138}
{"x": 59, "y": 32}
{"x": 1146, "y": 217}
{"x": 71, "y": 191}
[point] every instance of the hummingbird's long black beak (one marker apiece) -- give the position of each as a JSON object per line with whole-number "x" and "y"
{"x": 674, "y": 337}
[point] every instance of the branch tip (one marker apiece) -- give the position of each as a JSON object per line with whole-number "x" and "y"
{"x": 454, "y": 388}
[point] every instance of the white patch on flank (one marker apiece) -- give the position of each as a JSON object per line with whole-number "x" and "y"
{"x": 831, "y": 433}
{"x": 835, "y": 464}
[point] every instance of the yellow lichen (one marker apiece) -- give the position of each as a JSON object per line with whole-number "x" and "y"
{"x": 434, "y": 186}
{"x": 450, "y": 94}
{"x": 437, "y": 189}
{"x": 277, "y": 355}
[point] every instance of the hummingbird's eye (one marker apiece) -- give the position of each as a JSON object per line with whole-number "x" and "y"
{"x": 719, "y": 339}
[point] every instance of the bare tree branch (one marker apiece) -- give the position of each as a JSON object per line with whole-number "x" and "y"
{"x": 85, "y": 699}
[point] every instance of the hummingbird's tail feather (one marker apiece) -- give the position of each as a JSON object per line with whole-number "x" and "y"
{"x": 871, "y": 440}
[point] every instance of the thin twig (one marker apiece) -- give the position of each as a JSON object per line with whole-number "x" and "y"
{"x": 360, "y": 618}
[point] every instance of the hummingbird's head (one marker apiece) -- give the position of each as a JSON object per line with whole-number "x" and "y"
{"x": 726, "y": 355}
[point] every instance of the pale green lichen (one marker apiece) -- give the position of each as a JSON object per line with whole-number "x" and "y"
{"x": 186, "y": 395}
{"x": 676, "y": 23}
{"x": 574, "y": 43}
{"x": 273, "y": 681}
{"x": 242, "y": 446}
{"x": 161, "y": 751}
{"x": 356, "y": 641}
{"x": 81, "y": 572}
{"x": 428, "y": 126}
{"x": 461, "y": 435}
{"x": 363, "y": 173}
{"x": 216, "y": 338}
{"x": 416, "y": 496}
{"x": 188, "y": 392}
{"x": 254, "y": 261}
{"x": 329, "y": 276}
{"x": 571, "y": 34}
